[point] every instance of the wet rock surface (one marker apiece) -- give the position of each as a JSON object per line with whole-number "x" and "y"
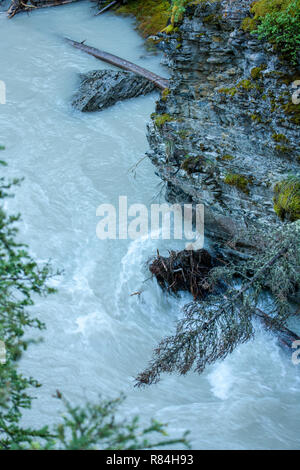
{"x": 100, "y": 89}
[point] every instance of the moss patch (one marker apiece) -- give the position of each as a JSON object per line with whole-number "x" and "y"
{"x": 256, "y": 72}
{"x": 256, "y": 118}
{"x": 193, "y": 164}
{"x": 279, "y": 138}
{"x": 287, "y": 199}
{"x": 239, "y": 181}
{"x": 151, "y": 15}
{"x": 227, "y": 157}
{"x": 228, "y": 91}
{"x": 183, "y": 133}
{"x": 161, "y": 119}
{"x": 282, "y": 148}
{"x": 165, "y": 93}
{"x": 245, "y": 84}
{"x": 292, "y": 111}
{"x": 212, "y": 19}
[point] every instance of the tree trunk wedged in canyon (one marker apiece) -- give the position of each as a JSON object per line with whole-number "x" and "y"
{"x": 124, "y": 64}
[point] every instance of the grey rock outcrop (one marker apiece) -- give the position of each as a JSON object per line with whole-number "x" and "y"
{"x": 100, "y": 89}
{"x": 228, "y": 115}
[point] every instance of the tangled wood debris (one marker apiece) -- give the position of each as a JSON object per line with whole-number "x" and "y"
{"x": 185, "y": 270}
{"x": 18, "y": 6}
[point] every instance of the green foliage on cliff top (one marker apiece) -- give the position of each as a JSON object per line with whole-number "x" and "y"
{"x": 277, "y": 21}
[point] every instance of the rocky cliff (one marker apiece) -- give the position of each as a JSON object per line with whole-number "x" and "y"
{"x": 226, "y": 132}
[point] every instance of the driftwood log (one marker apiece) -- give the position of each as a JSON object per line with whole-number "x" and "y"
{"x": 124, "y": 64}
{"x": 108, "y": 7}
{"x": 189, "y": 270}
{"x": 18, "y": 6}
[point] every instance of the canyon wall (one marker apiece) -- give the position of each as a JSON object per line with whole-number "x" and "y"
{"x": 227, "y": 130}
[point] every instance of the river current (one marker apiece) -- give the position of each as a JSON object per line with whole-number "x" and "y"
{"x": 98, "y": 336}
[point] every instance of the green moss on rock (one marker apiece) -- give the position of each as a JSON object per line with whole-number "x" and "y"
{"x": 193, "y": 164}
{"x": 256, "y": 118}
{"x": 228, "y": 91}
{"x": 292, "y": 111}
{"x": 287, "y": 199}
{"x": 165, "y": 93}
{"x": 256, "y": 72}
{"x": 282, "y": 148}
{"x": 279, "y": 138}
{"x": 227, "y": 157}
{"x": 212, "y": 19}
{"x": 161, "y": 119}
{"x": 239, "y": 181}
{"x": 151, "y": 15}
{"x": 245, "y": 84}
{"x": 183, "y": 133}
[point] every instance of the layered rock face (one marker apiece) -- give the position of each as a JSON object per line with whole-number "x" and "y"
{"x": 100, "y": 89}
{"x": 228, "y": 129}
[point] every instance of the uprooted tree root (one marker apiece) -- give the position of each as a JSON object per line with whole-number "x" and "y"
{"x": 185, "y": 270}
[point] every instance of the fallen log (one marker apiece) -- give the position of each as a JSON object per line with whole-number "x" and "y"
{"x": 18, "y": 6}
{"x": 124, "y": 64}
{"x": 107, "y": 7}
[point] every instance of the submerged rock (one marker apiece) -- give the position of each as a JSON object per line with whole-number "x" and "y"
{"x": 100, "y": 89}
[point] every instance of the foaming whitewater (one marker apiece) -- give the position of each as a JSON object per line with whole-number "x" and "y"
{"x": 99, "y": 336}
